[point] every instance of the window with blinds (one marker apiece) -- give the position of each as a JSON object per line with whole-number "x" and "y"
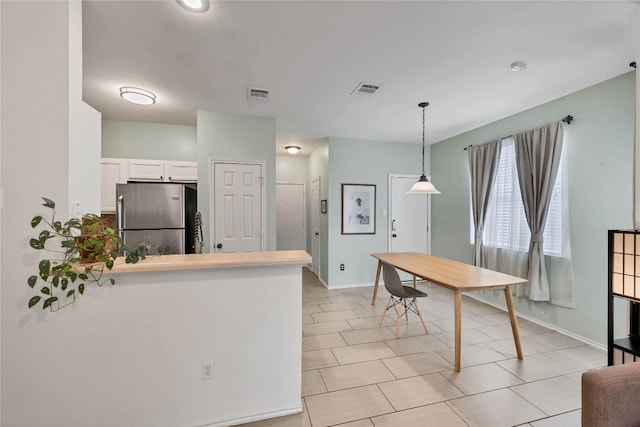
{"x": 506, "y": 225}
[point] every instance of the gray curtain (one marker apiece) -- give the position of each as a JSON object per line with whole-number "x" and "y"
{"x": 483, "y": 167}
{"x": 538, "y": 159}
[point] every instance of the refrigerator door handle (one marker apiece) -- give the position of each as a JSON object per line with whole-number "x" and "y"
{"x": 120, "y": 216}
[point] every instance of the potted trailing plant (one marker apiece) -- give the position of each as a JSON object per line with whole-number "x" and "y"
{"x": 81, "y": 248}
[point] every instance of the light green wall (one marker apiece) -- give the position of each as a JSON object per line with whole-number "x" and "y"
{"x": 599, "y": 154}
{"x": 223, "y": 136}
{"x": 136, "y": 140}
{"x": 363, "y": 162}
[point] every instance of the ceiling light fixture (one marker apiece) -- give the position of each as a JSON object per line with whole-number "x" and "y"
{"x": 292, "y": 149}
{"x": 137, "y": 95}
{"x": 423, "y": 186}
{"x": 195, "y": 5}
{"x": 518, "y": 66}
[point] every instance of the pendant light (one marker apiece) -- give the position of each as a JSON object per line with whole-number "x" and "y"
{"x": 423, "y": 186}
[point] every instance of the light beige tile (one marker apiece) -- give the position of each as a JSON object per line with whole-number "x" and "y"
{"x": 355, "y": 375}
{"x": 471, "y": 355}
{"x": 418, "y": 344}
{"x": 554, "y": 395}
{"x": 413, "y": 328}
{"x": 416, "y": 364}
{"x": 313, "y": 300}
{"x": 334, "y": 315}
{"x": 340, "y": 306}
{"x": 481, "y": 378}
{"x": 306, "y": 319}
{"x": 310, "y": 309}
{"x": 362, "y": 352}
{"x": 312, "y": 383}
{"x": 318, "y": 342}
{"x": 347, "y": 405}
{"x": 469, "y": 337}
{"x": 569, "y": 419}
{"x": 325, "y": 327}
{"x": 436, "y": 415}
{"x": 369, "y": 322}
{"x": 448, "y": 324}
{"x": 535, "y": 367}
{"x": 499, "y": 408}
{"x": 581, "y": 358}
{"x": 371, "y": 310}
{"x": 359, "y": 423}
{"x": 362, "y": 336}
{"x": 418, "y": 391}
{"x": 317, "y": 359}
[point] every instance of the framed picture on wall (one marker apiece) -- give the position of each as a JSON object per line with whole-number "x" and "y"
{"x": 323, "y": 206}
{"x": 358, "y": 209}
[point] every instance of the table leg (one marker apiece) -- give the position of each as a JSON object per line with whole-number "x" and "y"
{"x": 457, "y": 303}
{"x": 514, "y": 323}
{"x": 375, "y": 285}
{"x": 415, "y": 281}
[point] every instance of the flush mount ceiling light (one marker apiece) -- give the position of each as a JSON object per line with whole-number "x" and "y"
{"x": 195, "y": 5}
{"x": 292, "y": 149}
{"x": 137, "y": 95}
{"x": 518, "y": 66}
{"x": 423, "y": 186}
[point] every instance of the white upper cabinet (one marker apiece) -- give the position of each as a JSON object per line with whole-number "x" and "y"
{"x": 146, "y": 170}
{"x": 113, "y": 171}
{"x": 181, "y": 171}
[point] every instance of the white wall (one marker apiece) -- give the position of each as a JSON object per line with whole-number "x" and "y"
{"x": 599, "y": 153}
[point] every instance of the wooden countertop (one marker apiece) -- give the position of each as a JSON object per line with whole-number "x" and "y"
{"x": 212, "y": 261}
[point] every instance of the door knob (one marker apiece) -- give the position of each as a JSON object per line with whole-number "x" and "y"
{"x": 317, "y": 234}
{"x": 394, "y": 235}
{"x": 219, "y": 246}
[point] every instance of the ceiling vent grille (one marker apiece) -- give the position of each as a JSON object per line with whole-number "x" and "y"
{"x": 364, "y": 88}
{"x": 257, "y": 94}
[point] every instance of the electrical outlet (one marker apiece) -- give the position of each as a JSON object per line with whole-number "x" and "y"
{"x": 341, "y": 267}
{"x": 207, "y": 370}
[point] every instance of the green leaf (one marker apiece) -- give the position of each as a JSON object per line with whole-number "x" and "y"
{"x": 45, "y": 268}
{"x": 35, "y": 221}
{"x": 32, "y": 281}
{"x": 55, "y": 281}
{"x": 49, "y": 203}
{"x": 45, "y": 291}
{"x": 49, "y": 301}
{"x": 64, "y": 284}
{"x": 57, "y": 226}
{"x": 71, "y": 292}
{"x": 83, "y": 276}
{"x": 36, "y": 244}
{"x": 33, "y": 301}
{"x": 81, "y": 288}
{"x": 112, "y": 280}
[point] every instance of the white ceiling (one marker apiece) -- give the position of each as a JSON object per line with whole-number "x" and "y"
{"x": 312, "y": 54}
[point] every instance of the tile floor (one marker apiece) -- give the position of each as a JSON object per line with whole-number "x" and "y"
{"x": 357, "y": 374}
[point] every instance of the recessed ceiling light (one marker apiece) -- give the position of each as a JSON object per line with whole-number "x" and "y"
{"x": 292, "y": 149}
{"x": 137, "y": 95}
{"x": 518, "y": 66}
{"x": 195, "y": 5}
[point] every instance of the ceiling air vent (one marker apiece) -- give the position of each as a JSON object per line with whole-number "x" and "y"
{"x": 256, "y": 94}
{"x": 365, "y": 89}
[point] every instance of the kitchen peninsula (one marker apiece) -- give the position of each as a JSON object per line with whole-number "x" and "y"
{"x": 173, "y": 317}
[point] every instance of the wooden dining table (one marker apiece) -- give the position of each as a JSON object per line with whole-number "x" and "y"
{"x": 457, "y": 277}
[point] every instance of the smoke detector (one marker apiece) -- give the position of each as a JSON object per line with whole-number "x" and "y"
{"x": 257, "y": 94}
{"x": 364, "y": 88}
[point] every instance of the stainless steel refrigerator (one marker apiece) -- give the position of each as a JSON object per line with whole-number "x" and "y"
{"x": 162, "y": 213}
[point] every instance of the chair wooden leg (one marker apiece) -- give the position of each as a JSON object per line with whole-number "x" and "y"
{"x": 415, "y": 304}
{"x": 406, "y": 312}
{"x": 398, "y": 320}
{"x": 384, "y": 313}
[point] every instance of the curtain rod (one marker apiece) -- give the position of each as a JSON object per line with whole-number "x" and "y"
{"x": 567, "y": 119}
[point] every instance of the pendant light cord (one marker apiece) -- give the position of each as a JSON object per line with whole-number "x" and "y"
{"x": 423, "y": 126}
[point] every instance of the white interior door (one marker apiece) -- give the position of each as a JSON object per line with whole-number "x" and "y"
{"x": 290, "y": 217}
{"x": 237, "y": 208}
{"x": 409, "y": 218}
{"x": 315, "y": 226}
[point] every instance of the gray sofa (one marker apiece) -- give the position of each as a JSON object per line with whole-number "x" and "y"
{"x": 611, "y": 396}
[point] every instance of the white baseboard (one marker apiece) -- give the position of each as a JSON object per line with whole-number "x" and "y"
{"x": 349, "y": 285}
{"x": 252, "y": 418}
